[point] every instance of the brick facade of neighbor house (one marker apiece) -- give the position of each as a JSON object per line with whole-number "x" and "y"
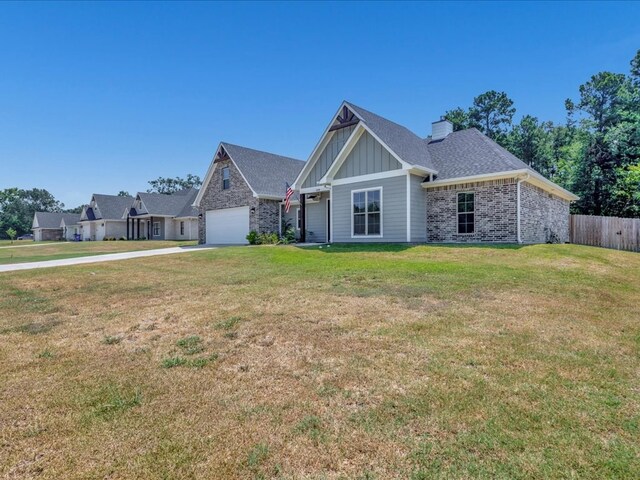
{"x": 541, "y": 215}
{"x": 264, "y": 219}
{"x": 495, "y": 212}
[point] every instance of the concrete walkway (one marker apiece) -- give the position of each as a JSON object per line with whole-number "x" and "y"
{"x": 109, "y": 257}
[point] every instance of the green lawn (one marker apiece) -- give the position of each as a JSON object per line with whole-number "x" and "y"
{"x": 341, "y": 362}
{"x": 35, "y": 252}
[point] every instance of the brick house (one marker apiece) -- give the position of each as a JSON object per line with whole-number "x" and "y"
{"x": 243, "y": 191}
{"x": 372, "y": 180}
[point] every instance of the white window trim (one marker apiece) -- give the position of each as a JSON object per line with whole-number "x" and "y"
{"x": 461, "y": 213}
{"x": 366, "y": 213}
{"x": 298, "y": 219}
{"x": 153, "y": 229}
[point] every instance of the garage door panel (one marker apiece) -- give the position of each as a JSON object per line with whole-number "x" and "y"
{"x": 227, "y": 226}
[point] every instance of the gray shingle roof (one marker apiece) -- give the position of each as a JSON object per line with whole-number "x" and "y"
{"x": 53, "y": 219}
{"x": 265, "y": 172}
{"x": 406, "y": 144}
{"x": 177, "y": 204}
{"x": 69, "y": 219}
{"x": 469, "y": 152}
{"x": 111, "y": 206}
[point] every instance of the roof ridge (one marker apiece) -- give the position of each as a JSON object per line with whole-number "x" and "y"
{"x": 261, "y": 151}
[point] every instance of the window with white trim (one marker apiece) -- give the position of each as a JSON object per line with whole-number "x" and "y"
{"x": 181, "y": 228}
{"x": 298, "y": 219}
{"x": 156, "y": 229}
{"x": 367, "y": 212}
{"x": 226, "y": 181}
{"x": 466, "y": 212}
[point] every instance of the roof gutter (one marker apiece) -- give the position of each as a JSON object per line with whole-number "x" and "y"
{"x": 532, "y": 177}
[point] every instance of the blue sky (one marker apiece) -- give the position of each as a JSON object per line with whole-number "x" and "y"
{"x": 101, "y": 97}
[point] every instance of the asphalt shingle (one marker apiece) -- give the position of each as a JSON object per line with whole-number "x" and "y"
{"x": 266, "y": 173}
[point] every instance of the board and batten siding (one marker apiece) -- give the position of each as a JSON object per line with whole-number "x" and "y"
{"x": 368, "y": 156}
{"x": 394, "y": 210}
{"x": 328, "y": 155}
{"x": 418, "y": 198}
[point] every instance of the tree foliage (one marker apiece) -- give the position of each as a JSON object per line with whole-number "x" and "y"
{"x": 18, "y": 206}
{"x": 172, "y": 185}
{"x": 595, "y": 154}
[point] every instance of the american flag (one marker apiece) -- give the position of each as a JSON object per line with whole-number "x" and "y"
{"x": 287, "y": 198}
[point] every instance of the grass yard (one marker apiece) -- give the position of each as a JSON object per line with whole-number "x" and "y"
{"x": 35, "y": 252}
{"x": 342, "y": 362}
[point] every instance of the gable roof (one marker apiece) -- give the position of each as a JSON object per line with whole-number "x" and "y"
{"x": 467, "y": 153}
{"x": 69, "y": 219}
{"x": 404, "y": 143}
{"x": 177, "y": 204}
{"x": 50, "y": 219}
{"x": 110, "y": 207}
{"x": 265, "y": 173}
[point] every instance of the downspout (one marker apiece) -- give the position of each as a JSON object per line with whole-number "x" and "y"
{"x": 520, "y": 180}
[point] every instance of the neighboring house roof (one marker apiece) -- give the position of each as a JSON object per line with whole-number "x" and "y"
{"x": 469, "y": 152}
{"x": 178, "y": 204}
{"x": 69, "y": 219}
{"x": 109, "y": 207}
{"x": 404, "y": 143}
{"x": 266, "y": 173}
{"x": 48, "y": 220}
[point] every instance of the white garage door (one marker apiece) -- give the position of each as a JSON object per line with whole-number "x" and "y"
{"x": 228, "y": 226}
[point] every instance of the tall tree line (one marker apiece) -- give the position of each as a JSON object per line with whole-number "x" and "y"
{"x": 595, "y": 153}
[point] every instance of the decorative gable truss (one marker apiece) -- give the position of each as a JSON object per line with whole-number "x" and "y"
{"x": 349, "y": 138}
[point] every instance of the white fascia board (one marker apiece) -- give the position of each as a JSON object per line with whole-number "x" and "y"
{"x": 207, "y": 178}
{"x": 370, "y": 176}
{"x": 324, "y": 139}
{"x": 532, "y": 177}
{"x": 317, "y": 189}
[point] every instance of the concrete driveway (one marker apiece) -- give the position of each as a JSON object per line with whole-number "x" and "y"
{"x": 109, "y": 257}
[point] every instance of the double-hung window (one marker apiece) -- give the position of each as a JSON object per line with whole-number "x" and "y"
{"x": 181, "y": 228}
{"x": 298, "y": 219}
{"x": 226, "y": 181}
{"x": 367, "y": 212}
{"x": 156, "y": 229}
{"x": 466, "y": 213}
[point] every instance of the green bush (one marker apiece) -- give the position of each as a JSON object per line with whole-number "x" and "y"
{"x": 252, "y": 238}
{"x": 289, "y": 236}
{"x": 268, "y": 239}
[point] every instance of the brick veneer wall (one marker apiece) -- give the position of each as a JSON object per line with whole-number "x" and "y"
{"x": 541, "y": 214}
{"x": 265, "y": 217}
{"x": 495, "y": 212}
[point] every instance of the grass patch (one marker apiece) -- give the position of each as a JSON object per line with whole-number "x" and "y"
{"x": 111, "y": 340}
{"x": 383, "y": 361}
{"x": 227, "y": 324}
{"x": 45, "y": 354}
{"x": 110, "y": 400}
{"x": 190, "y": 345}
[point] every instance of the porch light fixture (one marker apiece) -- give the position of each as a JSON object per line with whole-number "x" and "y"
{"x": 253, "y": 210}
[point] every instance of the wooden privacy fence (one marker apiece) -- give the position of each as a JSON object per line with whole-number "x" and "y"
{"x": 607, "y": 232}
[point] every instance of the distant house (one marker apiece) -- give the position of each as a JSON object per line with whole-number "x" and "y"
{"x": 243, "y": 191}
{"x": 70, "y": 226}
{"x": 52, "y": 226}
{"x": 157, "y": 216}
{"x": 102, "y": 218}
